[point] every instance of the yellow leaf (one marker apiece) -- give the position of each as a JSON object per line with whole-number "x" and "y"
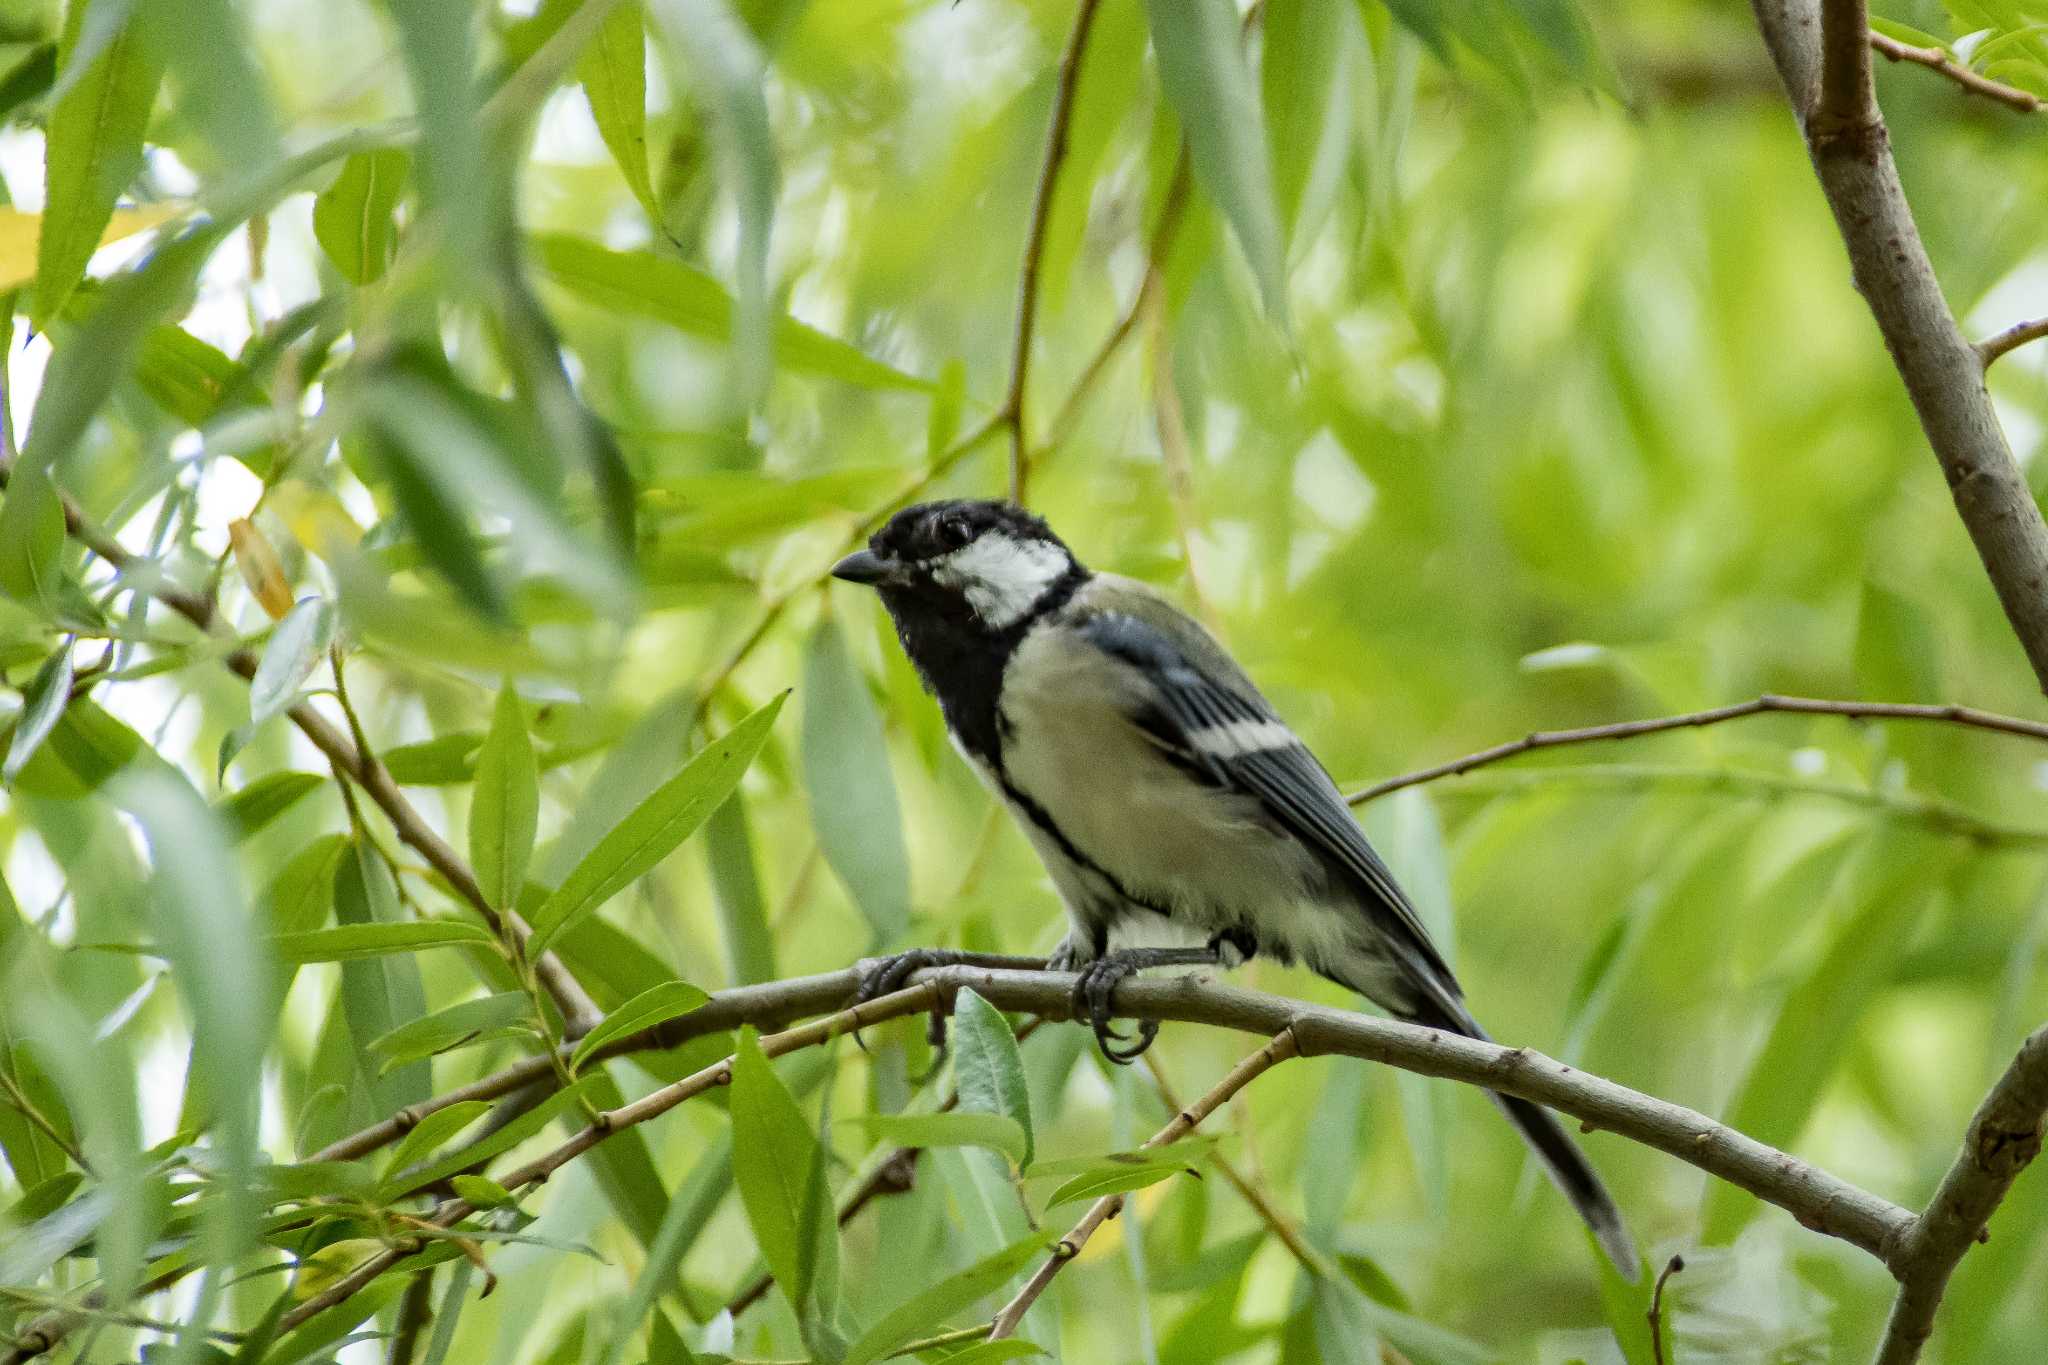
{"x": 20, "y": 232}
{"x": 261, "y": 569}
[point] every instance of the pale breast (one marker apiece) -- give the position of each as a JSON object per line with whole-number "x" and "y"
{"x": 1205, "y": 853}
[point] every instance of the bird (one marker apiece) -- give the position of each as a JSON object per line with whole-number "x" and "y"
{"x": 1182, "y": 821}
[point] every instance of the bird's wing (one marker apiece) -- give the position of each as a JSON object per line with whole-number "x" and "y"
{"x": 1210, "y": 718}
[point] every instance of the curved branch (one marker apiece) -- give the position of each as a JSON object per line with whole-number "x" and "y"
{"x": 1810, "y": 43}
{"x": 1691, "y": 720}
{"x": 1034, "y": 239}
{"x": 1940, "y": 60}
{"x": 2004, "y": 1136}
{"x": 2012, "y": 338}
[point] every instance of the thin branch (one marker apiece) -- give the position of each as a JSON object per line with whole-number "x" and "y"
{"x": 1692, "y": 720}
{"x": 1847, "y": 105}
{"x": 1068, "y": 83}
{"x": 2003, "y": 1137}
{"x": 415, "y": 1311}
{"x": 1656, "y": 1315}
{"x": 1943, "y": 373}
{"x": 2012, "y": 338}
{"x": 1942, "y": 61}
{"x": 1283, "y": 1045}
{"x": 1937, "y": 816}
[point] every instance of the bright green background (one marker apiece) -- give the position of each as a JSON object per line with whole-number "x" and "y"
{"x": 1570, "y": 415}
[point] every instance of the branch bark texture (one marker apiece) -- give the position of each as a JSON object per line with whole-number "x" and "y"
{"x": 1822, "y": 54}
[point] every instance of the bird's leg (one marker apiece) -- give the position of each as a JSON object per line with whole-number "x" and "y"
{"x": 1095, "y": 991}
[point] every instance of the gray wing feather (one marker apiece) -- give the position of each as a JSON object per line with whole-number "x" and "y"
{"x": 1198, "y": 687}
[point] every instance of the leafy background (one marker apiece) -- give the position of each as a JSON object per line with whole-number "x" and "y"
{"x": 1498, "y": 370}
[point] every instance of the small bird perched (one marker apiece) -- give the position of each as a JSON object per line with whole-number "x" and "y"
{"x": 1166, "y": 797}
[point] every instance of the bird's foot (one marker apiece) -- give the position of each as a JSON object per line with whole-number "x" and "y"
{"x": 879, "y": 976}
{"x": 1095, "y": 992}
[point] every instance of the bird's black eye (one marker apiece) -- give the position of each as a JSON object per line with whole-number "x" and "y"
{"x": 953, "y": 533}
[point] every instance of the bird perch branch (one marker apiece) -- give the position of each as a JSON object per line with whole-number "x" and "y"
{"x": 1939, "y": 60}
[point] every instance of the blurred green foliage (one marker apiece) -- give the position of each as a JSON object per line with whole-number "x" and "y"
{"x": 1495, "y": 368}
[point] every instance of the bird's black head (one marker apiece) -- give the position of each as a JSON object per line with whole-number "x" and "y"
{"x": 984, "y": 567}
{"x": 964, "y": 581}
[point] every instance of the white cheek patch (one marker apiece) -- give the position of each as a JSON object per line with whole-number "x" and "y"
{"x": 1240, "y": 737}
{"x": 1002, "y": 578}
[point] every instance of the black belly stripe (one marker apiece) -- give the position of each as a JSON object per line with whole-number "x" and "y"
{"x": 1038, "y": 816}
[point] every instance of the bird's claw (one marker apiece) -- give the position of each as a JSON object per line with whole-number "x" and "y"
{"x": 1094, "y": 1000}
{"x": 880, "y": 976}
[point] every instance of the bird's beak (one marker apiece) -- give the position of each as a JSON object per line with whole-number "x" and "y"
{"x": 864, "y": 566}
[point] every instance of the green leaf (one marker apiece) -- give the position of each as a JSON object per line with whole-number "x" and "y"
{"x": 730, "y": 75}
{"x": 639, "y": 842}
{"x": 446, "y": 760}
{"x": 310, "y": 1180}
{"x": 777, "y": 1162}
{"x": 1625, "y": 1305}
{"x": 300, "y": 895}
{"x": 736, "y": 887}
{"x": 218, "y": 86}
{"x": 645, "y": 1010}
{"x": 1202, "y": 69}
{"x": 562, "y": 1103}
{"x": 353, "y": 942}
{"x": 31, "y": 539}
{"x": 993, "y": 1352}
{"x": 450, "y": 1028}
{"x": 852, "y": 792}
{"x": 42, "y": 706}
{"x": 455, "y": 177}
{"x": 1884, "y": 891}
{"x": 352, "y": 218}
{"x": 432, "y": 1133}
{"x": 506, "y": 812}
{"x": 255, "y": 804}
{"x": 997, "y": 1132}
{"x": 481, "y": 1191}
{"x": 923, "y": 1313}
{"x": 294, "y": 651}
{"x": 613, "y": 70}
{"x": 1112, "y": 1182}
{"x": 223, "y": 973}
{"x": 94, "y": 147}
{"x": 681, "y": 1223}
{"x": 985, "y": 1060}
{"x": 644, "y": 284}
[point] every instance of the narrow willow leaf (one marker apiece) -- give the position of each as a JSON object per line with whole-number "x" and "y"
{"x": 440, "y": 53}
{"x": 1202, "y": 69}
{"x": 481, "y": 1191}
{"x": 218, "y": 87}
{"x": 852, "y": 792}
{"x": 94, "y": 148}
{"x": 997, "y": 1132}
{"x": 562, "y": 1102}
{"x": 1112, "y": 1182}
{"x": 639, "y": 842}
{"x": 255, "y": 557}
{"x": 613, "y": 70}
{"x": 776, "y": 1159}
{"x": 353, "y": 942}
{"x": 992, "y": 1352}
{"x": 1885, "y": 891}
{"x": 31, "y": 539}
{"x": 432, "y": 1134}
{"x": 257, "y": 803}
{"x": 1626, "y": 1305}
{"x": 223, "y": 973}
{"x": 681, "y": 1222}
{"x": 659, "y": 1004}
{"x": 506, "y": 812}
{"x": 294, "y": 651}
{"x": 926, "y": 1312}
{"x": 451, "y": 1027}
{"x": 644, "y": 284}
{"x": 352, "y": 218}
{"x": 736, "y": 887}
{"x": 300, "y": 895}
{"x": 42, "y": 706}
{"x": 991, "y": 1074}
{"x": 450, "y": 1314}
{"x": 732, "y": 78}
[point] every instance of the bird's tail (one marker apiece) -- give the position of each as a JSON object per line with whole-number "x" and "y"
{"x": 1562, "y": 1160}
